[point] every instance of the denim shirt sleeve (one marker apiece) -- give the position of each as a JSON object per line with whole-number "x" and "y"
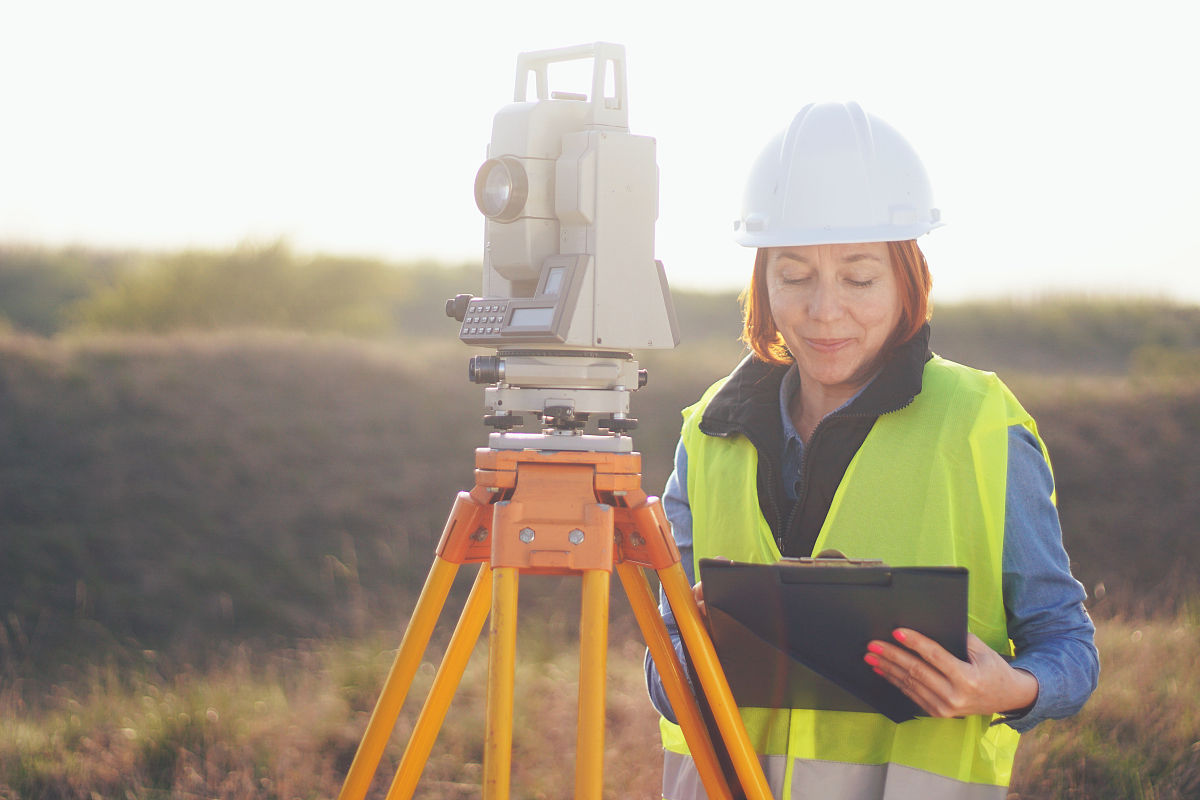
{"x": 1053, "y": 635}
{"x": 679, "y": 514}
{"x": 1047, "y": 622}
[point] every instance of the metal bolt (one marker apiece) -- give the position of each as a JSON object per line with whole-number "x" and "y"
{"x": 636, "y": 540}
{"x": 526, "y": 535}
{"x": 575, "y": 536}
{"x": 479, "y": 535}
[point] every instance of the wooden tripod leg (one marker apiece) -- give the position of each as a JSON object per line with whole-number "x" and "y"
{"x": 654, "y": 631}
{"x": 502, "y": 649}
{"x": 712, "y": 679}
{"x": 395, "y": 689}
{"x": 449, "y": 675}
{"x": 593, "y": 657}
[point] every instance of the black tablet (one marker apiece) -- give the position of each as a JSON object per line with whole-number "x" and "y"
{"x": 793, "y": 634}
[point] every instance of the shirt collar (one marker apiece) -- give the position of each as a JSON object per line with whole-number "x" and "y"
{"x": 790, "y": 385}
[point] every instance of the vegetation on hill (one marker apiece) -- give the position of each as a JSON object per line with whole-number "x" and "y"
{"x": 269, "y": 286}
{"x": 258, "y": 483}
{"x": 253, "y": 286}
{"x": 1069, "y": 335}
{"x": 220, "y": 484}
{"x": 37, "y": 286}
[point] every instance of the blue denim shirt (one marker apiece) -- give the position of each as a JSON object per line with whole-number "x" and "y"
{"x": 1052, "y": 632}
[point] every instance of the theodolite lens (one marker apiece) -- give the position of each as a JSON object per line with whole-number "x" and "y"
{"x": 501, "y": 189}
{"x": 496, "y": 191}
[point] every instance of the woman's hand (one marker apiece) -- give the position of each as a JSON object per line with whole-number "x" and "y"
{"x": 943, "y": 685}
{"x": 698, "y": 593}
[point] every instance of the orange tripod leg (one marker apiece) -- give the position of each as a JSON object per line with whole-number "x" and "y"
{"x": 712, "y": 679}
{"x": 449, "y": 675}
{"x": 395, "y": 689}
{"x": 654, "y": 631}
{"x": 593, "y": 656}
{"x": 497, "y": 752}
{"x": 649, "y": 544}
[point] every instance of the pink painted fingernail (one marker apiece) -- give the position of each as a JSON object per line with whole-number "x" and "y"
{"x": 871, "y": 659}
{"x": 875, "y": 647}
{"x": 899, "y": 634}
{"x": 878, "y": 671}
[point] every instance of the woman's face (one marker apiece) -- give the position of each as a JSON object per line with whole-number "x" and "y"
{"x": 835, "y": 305}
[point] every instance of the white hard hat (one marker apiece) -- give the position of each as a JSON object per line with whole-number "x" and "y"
{"x": 836, "y": 175}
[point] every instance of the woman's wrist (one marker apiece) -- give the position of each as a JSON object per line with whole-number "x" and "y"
{"x": 1023, "y": 693}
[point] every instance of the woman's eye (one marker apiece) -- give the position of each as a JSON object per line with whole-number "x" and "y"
{"x": 861, "y": 284}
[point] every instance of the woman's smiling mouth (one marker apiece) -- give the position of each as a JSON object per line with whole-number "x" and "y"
{"x": 827, "y": 345}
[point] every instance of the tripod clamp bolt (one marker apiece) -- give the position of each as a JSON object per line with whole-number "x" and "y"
{"x": 575, "y": 536}
{"x": 526, "y": 535}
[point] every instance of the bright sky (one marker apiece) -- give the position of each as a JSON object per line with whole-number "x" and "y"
{"x": 1061, "y": 137}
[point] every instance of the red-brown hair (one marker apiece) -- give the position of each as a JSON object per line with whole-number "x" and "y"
{"x": 912, "y": 277}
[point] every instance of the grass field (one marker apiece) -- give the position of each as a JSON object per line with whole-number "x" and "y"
{"x": 284, "y": 723}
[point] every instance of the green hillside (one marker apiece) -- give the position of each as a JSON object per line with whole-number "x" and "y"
{"x": 46, "y": 292}
{"x": 256, "y": 484}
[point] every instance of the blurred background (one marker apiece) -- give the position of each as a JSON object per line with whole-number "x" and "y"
{"x": 233, "y": 414}
{"x": 1059, "y": 137}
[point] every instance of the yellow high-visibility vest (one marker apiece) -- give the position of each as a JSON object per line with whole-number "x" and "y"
{"x": 927, "y": 488}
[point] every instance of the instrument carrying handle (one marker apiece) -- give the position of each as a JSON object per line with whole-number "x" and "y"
{"x": 606, "y": 110}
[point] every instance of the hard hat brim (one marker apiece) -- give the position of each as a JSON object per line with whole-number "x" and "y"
{"x": 797, "y": 238}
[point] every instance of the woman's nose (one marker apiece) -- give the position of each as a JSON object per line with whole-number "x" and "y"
{"x": 825, "y": 303}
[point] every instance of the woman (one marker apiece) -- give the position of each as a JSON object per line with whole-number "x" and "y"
{"x": 842, "y": 431}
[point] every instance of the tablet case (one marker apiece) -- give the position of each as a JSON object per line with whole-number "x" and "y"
{"x": 793, "y": 634}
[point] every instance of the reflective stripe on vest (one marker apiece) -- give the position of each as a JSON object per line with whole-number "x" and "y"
{"x": 822, "y": 780}
{"x": 681, "y": 780}
{"x": 927, "y": 487}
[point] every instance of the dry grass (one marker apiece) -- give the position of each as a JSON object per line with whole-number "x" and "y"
{"x": 1139, "y": 735}
{"x": 285, "y": 723}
